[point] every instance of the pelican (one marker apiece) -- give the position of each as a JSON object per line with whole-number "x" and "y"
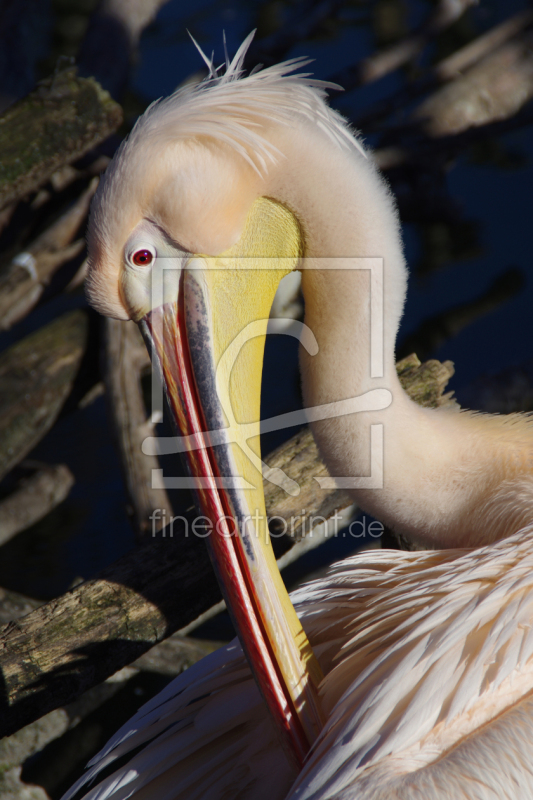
{"x": 400, "y": 675}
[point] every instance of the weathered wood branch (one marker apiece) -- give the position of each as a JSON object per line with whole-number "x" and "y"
{"x": 428, "y": 148}
{"x": 448, "y": 69}
{"x": 495, "y": 88}
{"x": 66, "y": 646}
{"x": 488, "y": 97}
{"x": 170, "y": 657}
{"x": 13, "y": 788}
{"x": 36, "y": 375}
{"x": 126, "y": 357}
{"x": 63, "y": 648}
{"x": 23, "y": 283}
{"x": 300, "y": 459}
{"x": 62, "y": 120}
{"x": 392, "y": 58}
{"x": 452, "y": 66}
{"x": 14, "y": 605}
{"x": 35, "y": 497}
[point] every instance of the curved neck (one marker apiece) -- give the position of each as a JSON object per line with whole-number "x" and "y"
{"x": 447, "y": 476}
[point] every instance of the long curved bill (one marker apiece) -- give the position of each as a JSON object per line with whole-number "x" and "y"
{"x": 209, "y": 345}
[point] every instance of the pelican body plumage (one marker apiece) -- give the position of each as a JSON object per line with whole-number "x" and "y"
{"x": 402, "y": 675}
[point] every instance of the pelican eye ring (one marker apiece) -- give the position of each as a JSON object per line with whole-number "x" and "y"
{"x": 142, "y": 258}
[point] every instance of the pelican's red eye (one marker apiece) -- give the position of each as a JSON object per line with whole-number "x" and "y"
{"x": 142, "y": 258}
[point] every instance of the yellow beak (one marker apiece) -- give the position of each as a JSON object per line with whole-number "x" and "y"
{"x": 210, "y": 346}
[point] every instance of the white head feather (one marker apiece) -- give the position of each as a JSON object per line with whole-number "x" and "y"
{"x": 230, "y": 109}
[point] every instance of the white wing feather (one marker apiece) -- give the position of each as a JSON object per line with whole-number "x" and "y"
{"x": 440, "y": 659}
{"x": 421, "y": 651}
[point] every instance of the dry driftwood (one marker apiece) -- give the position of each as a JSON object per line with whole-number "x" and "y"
{"x": 489, "y": 82}
{"x": 382, "y": 63}
{"x": 36, "y": 376}
{"x": 126, "y": 357}
{"x": 14, "y": 605}
{"x": 300, "y": 459}
{"x": 22, "y": 284}
{"x": 455, "y": 64}
{"x": 66, "y": 646}
{"x": 443, "y": 148}
{"x": 494, "y": 89}
{"x": 55, "y": 125}
{"x": 447, "y": 69}
{"x": 391, "y": 58}
{"x": 175, "y": 655}
{"x": 170, "y": 658}
{"x": 13, "y": 788}
{"x": 17, "y": 748}
{"x": 35, "y": 497}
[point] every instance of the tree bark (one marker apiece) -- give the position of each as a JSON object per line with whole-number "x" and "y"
{"x": 60, "y": 121}
{"x": 126, "y": 356}
{"x": 35, "y": 497}
{"x": 37, "y": 375}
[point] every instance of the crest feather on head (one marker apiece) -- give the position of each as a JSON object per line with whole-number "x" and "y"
{"x": 229, "y": 107}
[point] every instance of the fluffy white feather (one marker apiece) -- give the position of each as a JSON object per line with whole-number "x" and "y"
{"x": 429, "y": 662}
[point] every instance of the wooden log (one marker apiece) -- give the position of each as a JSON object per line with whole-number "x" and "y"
{"x": 175, "y": 655}
{"x": 454, "y": 65}
{"x": 444, "y": 71}
{"x": 13, "y": 788}
{"x": 22, "y": 284}
{"x": 442, "y": 148}
{"x": 64, "y": 647}
{"x": 36, "y": 375}
{"x": 494, "y": 89}
{"x": 488, "y": 97}
{"x": 72, "y": 643}
{"x": 425, "y": 382}
{"x": 60, "y": 121}
{"x": 126, "y": 357}
{"x": 15, "y": 749}
{"x": 385, "y": 61}
{"x": 35, "y": 497}
{"x": 14, "y": 605}
{"x": 300, "y": 460}
{"x": 170, "y": 658}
